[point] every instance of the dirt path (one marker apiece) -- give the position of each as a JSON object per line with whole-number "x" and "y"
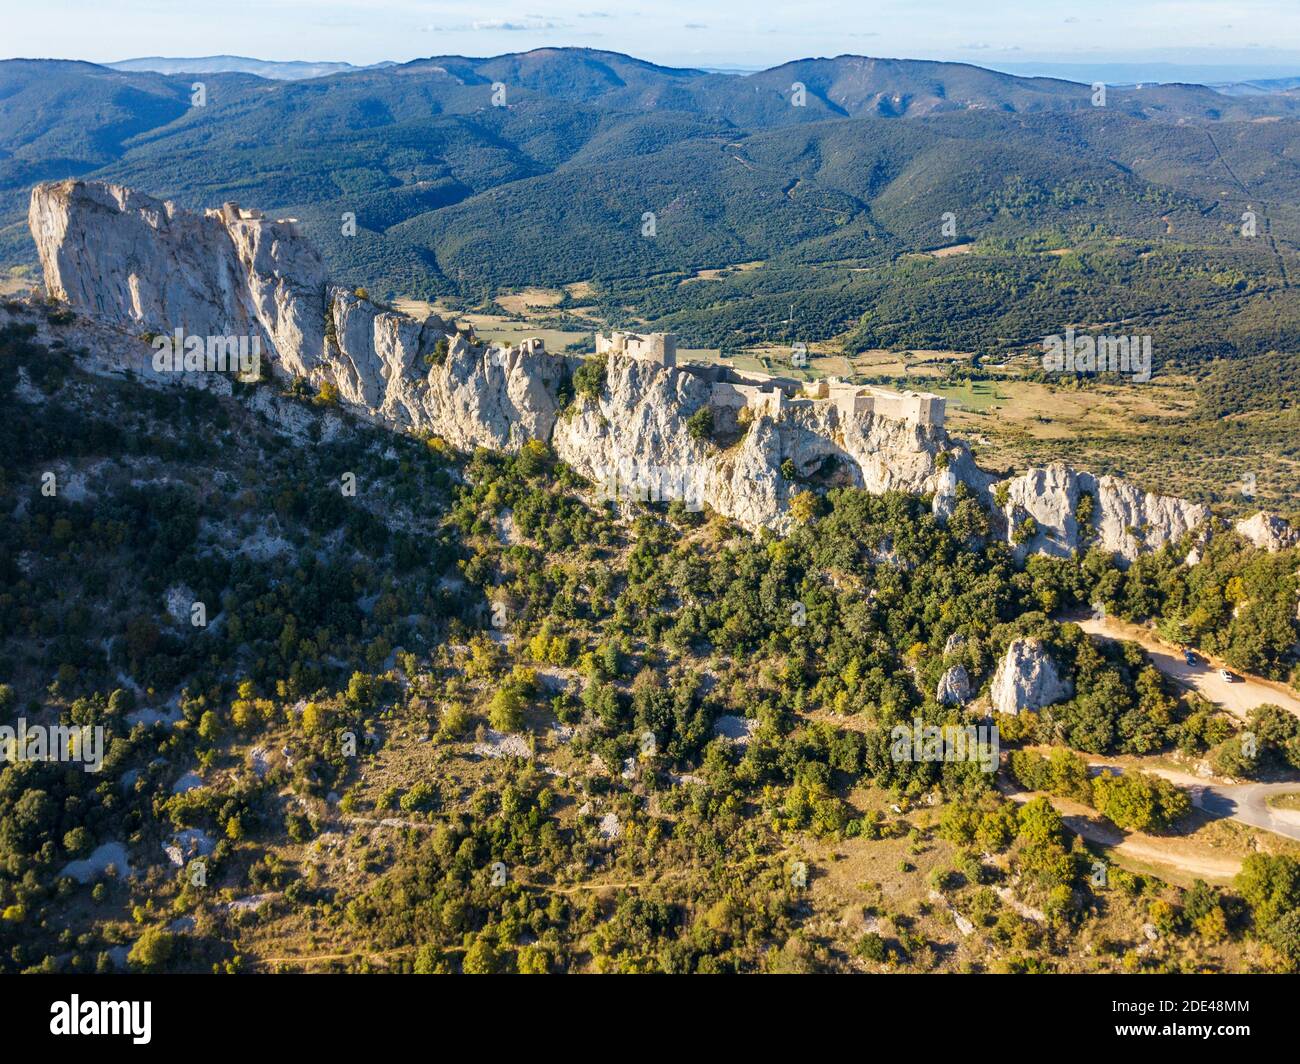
{"x": 1237, "y": 698}
{"x": 387, "y": 822}
{"x": 1149, "y": 849}
{"x": 1207, "y": 868}
{"x": 306, "y": 959}
{"x": 1224, "y": 163}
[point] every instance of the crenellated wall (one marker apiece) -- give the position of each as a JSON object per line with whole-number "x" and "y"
{"x": 770, "y": 396}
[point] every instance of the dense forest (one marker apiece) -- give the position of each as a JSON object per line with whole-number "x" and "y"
{"x": 605, "y": 170}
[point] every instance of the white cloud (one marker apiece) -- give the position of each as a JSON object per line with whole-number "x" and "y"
{"x": 529, "y": 22}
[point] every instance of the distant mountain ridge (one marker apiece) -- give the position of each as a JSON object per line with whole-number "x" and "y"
{"x": 1258, "y": 88}
{"x": 272, "y": 69}
{"x": 468, "y": 175}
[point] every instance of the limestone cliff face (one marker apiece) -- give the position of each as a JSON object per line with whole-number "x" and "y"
{"x": 140, "y": 266}
{"x": 378, "y": 357}
{"x": 634, "y": 435}
{"x": 633, "y": 439}
{"x": 1267, "y": 531}
{"x": 954, "y": 687}
{"x": 425, "y": 376}
{"x": 145, "y": 266}
{"x": 495, "y": 397}
{"x": 130, "y": 260}
{"x": 1124, "y": 519}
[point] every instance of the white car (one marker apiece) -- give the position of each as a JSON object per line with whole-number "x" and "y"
{"x": 1228, "y": 677}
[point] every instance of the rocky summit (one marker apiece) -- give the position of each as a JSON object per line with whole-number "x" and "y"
{"x": 149, "y": 268}
{"x": 1027, "y": 679}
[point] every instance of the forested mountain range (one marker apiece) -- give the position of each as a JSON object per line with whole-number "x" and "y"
{"x": 454, "y": 196}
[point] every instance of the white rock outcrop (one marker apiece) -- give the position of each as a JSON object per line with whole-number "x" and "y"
{"x": 954, "y": 687}
{"x": 148, "y": 267}
{"x": 1124, "y": 520}
{"x": 1267, "y": 531}
{"x": 635, "y": 434}
{"x": 130, "y": 260}
{"x": 1027, "y": 679}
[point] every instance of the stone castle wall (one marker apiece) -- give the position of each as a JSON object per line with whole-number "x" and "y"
{"x": 760, "y": 399}
{"x": 768, "y": 396}
{"x": 660, "y": 348}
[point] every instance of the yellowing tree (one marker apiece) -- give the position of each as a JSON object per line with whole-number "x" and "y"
{"x": 481, "y": 958}
{"x": 314, "y": 718}
{"x": 506, "y": 710}
{"x": 803, "y": 507}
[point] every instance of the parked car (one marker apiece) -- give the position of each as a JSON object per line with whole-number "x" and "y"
{"x": 1228, "y": 677}
{"x": 1189, "y": 657}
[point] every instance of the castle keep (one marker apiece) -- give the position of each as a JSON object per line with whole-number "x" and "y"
{"x": 660, "y": 348}
{"x": 765, "y": 396}
{"x": 231, "y": 213}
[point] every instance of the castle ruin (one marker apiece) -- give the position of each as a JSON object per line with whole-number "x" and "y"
{"x": 770, "y": 396}
{"x": 767, "y": 396}
{"x": 660, "y": 348}
{"x": 232, "y": 212}
{"x": 852, "y": 400}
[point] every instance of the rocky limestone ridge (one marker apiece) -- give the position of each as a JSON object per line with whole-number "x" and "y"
{"x": 1027, "y": 679}
{"x": 147, "y": 267}
{"x": 635, "y": 433}
{"x": 127, "y": 259}
{"x": 1124, "y": 519}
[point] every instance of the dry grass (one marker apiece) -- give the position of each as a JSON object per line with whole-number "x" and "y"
{"x": 527, "y": 299}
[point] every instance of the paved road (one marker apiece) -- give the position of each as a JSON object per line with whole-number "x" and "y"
{"x": 1246, "y": 803}
{"x": 1237, "y": 698}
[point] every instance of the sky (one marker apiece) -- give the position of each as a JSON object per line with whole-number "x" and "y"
{"x": 1260, "y": 37}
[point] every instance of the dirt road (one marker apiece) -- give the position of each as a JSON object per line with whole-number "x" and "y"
{"x": 1170, "y": 852}
{"x": 1237, "y": 698}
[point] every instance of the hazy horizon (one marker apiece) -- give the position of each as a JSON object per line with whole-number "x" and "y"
{"x": 1163, "y": 40}
{"x": 1114, "y": 72}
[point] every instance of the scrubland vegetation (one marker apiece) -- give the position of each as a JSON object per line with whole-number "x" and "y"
{"x": 470, "y": 720}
